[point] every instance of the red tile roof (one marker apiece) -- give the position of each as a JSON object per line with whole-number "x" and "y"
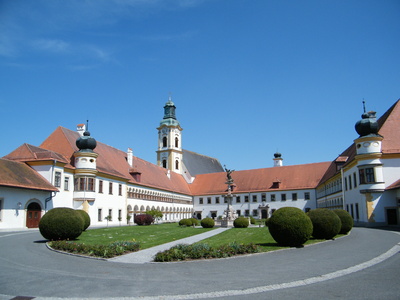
{"x": 394, "y": 185}
{"x": 112, "y": 161}
{"x": 28, "y": 152}
{"x": 294, "y": 177}
{"x": 19, "y": 175}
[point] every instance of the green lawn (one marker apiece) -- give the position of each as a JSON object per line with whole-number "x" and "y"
{"x": 256, "y": 235}
{"x": 147, "y": 236}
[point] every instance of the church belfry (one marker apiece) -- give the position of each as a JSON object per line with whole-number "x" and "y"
{"x": 169, "y": 153}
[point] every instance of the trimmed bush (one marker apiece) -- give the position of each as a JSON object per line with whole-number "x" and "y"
{"x": 204, "y": 251}
{"x": 241, "y": 222}
{"x": 252, "y": 220}
{"x": 207, "y": 223}
{"x": 326, "y": 224}
{"x": 290, "y": 226}
{"x": 185, "y": 222}
{"x": 346, "y": 219}
{"x": 143, "y": 219}
{"x": 85, "y": 217}
{"x": 195, "y": 222}
{"x": 61, "y": 223}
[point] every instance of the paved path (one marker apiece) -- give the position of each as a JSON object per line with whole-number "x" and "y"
{"x": 147, "y": 255}
{"x": 363, "y": 265}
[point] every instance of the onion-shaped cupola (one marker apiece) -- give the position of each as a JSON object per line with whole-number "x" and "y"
{"x": 169, "y": 114}
{"x": 86, "y": 143}
{"x": 368, "y": 125}
{"x": 277, "y": 155}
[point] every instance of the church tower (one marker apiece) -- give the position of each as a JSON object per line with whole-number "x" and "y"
{"x": 169, "y": 153}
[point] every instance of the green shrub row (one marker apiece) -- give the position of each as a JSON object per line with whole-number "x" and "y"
{"x": 204, "y": 251}
{"x": 189, "y": 222}
{"x": 104, "y": 251}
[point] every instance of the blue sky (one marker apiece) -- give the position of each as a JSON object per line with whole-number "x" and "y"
{"x": 248, "y": 78}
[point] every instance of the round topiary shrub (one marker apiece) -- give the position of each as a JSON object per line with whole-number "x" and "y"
{"x": 86, "y": 219}
{"x": 185, "y": 222}
{"x": 195, "y": 222}
{"x": 144, "y": 219}
{"x": 207, "y": 223}
{"x": 346, "y": 219}
{"x": 241, "y": 222}
{"x": 326, "y": 224}
{"x": 290, "y": 226}
{"x": 61, "y": 223}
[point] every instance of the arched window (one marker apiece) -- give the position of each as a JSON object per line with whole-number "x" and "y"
{"x": 177, "y": 164}
{"x": 176, "y": 142}
{"x": 164, "y": 164}
{"x": 164, "y": 141}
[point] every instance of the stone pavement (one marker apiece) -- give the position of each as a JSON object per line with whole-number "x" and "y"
{"x": 147, "y": 255}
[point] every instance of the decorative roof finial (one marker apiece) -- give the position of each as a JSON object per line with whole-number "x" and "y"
{"x": 364, "y": 106}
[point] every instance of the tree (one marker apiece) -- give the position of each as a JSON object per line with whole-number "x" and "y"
{"x": 155, "y": 213}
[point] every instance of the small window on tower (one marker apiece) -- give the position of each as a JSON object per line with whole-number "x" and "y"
{"x": 176, "y": 142}
{"x": 164, "y": 141}
{"x": 164, "y": 164}
{"x": 177, "y": 164}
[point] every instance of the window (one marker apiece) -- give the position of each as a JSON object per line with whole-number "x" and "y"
{"x": 238, "y": 199}
{"x": 273, "y": 197}
{"x": 66, "y": 183}
{"x": 164, "y": 141}
{"x": 254, "y": 198}
{"x": 355, "y": 179}
{"x": 176, "y": 142}
{"x": 57, "y": 179}
{"x": 208, "y": 200}
{"x": 177, "y": 164}
{"x": 238, "y": 212}
{"x": 357, "y": 212}
{"x": 120, "y": 189}
{"x": 263, "y": 197}
{"x": 84, "y": 184}
{"x": 110, "y": 214}
{"x": 367, "y": 175}
{"x": 90, "y": 186}
{"x": 247, "y": 212}
{"x": 345, "y": 184}
{"x": 119, "y": 215}
{"x": 110, "y": 188}
{"x": 255, "y": 212}
{"x": 350, "y": 187}
{"x": 307, "y": 195}
{"x": 216, "y": 200}
{"x": 101, "y": 186}
{"x": 283, "y": 197}
{"x": 200, "y": 200}
{"x": 99, "y": 215}
{"x": 246, "y": 198}
{"x": 294, "y": 196}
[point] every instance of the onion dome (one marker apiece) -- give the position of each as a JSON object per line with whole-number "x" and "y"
{"x": 169, "y": 114}
{"x": 86, "y": 143}
{"x": 277, "y": 155}
{"x": 368, "y": 125}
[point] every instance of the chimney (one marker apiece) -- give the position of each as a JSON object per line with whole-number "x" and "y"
{"x": 81, "y": 128}
{"x": 129, "y": 156}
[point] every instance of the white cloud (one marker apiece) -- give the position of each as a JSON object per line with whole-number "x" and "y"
{"x": 51, "y": 45}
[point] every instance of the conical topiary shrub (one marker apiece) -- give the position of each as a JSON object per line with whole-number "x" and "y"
{"x": 290, "y": 226}
{"x": 325, "y": 222}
